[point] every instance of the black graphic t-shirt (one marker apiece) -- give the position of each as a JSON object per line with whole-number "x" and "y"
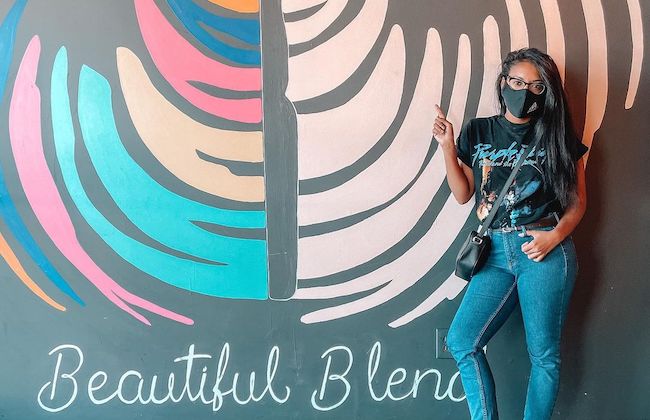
{"x": 491, "y": 147}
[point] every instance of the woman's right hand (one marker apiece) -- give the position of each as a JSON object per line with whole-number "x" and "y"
{"x": 459, "y": 175}
{"x": 443, "y": 130}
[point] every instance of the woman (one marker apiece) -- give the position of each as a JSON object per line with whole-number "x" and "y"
{"x": 532, "y": 261}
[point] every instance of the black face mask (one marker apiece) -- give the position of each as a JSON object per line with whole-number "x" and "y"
{"x": 522, "y": 102}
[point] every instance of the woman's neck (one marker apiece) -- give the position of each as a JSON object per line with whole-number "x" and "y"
{"x": 516, "y": 120}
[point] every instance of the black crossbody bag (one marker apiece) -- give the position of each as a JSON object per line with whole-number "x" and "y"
{"x": 475, "y": 250}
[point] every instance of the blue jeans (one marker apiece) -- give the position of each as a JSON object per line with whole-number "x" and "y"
{"x": 543, "y": 290}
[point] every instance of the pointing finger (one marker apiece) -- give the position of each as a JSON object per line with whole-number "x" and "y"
{"x": 439, "y": 111}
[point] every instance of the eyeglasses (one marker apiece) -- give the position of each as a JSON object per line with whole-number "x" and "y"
{"x": 517, "y": 84}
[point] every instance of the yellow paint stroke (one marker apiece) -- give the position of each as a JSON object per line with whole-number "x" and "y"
{"x": 242, "y": 6}
{"x": 554, "y": 34}
{"x": 597, "y": 84}
{"x": 9, "y": 256}
{"x": 636, "y": 26}
{"x": 174, "y": 138}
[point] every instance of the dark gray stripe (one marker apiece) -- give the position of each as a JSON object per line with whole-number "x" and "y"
{"x": 348, "y": 14}
{"x": 344, "y": 222}
{"x": 332, "y": 180}
{"x": 228, "y": 39}
{"x": 280, "y": 155}
{"x": 104, "y": 203}
{"x": 236, "y": 167}
{"x": 392, "y": 253}
{"x": 225, "y": 93}
{"x": 350, "y": 87}
{"x": 303, "y": 14}
{"x": 254, "y": 233}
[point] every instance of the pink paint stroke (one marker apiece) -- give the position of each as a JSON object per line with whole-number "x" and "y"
{"x": 179, "y": 62}
{"x": 43, "y": 196}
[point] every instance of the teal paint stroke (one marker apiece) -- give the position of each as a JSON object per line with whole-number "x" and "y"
{"x": 162, "y": 214}
{"x": 151, "y": 207}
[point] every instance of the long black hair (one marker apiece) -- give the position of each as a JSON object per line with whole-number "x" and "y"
{"x": 552, "y": 123}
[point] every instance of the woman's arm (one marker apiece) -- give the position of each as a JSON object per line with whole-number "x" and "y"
{"x": 459, "y": 175}
{"x": 544, "y": 241}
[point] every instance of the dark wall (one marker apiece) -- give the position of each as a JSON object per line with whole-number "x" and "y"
{"x": 321, "y": 255}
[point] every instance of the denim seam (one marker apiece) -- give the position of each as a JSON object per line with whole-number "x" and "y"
{"x": 478, "y": 339}
{"x": 480, "y": 386}
{"x": 508, "y": 251}
{"x": 561, "y": 308}
{"x": 562, "y": 303}
{"x": 494, "y": 314}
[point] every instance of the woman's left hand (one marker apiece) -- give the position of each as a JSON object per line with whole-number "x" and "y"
{"x": 543, "y": 242}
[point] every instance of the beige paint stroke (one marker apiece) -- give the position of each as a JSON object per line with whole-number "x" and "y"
{"x": 340, "y": 250}
{"x": 326, "y": 66}
{"x": 449, "y": 289}
{"x": 402, "y": 273}
{"x": 333, "y": 139}
{"x": 407, "y": 269}
{"x": 555, "y": 44}
{"x": 636, "y": 27}
{"x": 487, "y": 104}
{"x": 420, "y": 261}
{"x": 396, "y": 167}
{"x": 343, "y": 249}
{"x": 597, "y": 83}
{"x": 518, "y": 28}
{"x": 460, "y": 90}
{"x": 307, "y": 29}
{"x": 174, "y": 138}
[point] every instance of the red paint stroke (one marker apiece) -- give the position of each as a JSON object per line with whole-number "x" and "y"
{"x": 179, "y": 62}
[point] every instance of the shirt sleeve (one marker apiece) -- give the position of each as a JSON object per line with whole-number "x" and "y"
{"x": 464, "y": 146}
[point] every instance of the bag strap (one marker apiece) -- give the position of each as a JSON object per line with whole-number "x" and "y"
{"x": 495, "y": 206}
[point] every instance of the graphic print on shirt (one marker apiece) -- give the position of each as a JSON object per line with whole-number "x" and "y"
{"x": 494, "y": 164}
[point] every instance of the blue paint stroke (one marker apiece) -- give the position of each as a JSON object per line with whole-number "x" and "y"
{"x": 7, "y": 207}
{"x": 245, "y": 277}
{"x": 248, "y": 30}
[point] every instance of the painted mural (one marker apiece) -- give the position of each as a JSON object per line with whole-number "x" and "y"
{"x": 368, "y": 172}
{"x": 179, "y": 159}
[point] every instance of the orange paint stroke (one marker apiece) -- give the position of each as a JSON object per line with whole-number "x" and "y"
{"x": 11, "y": 258}
{"x": 242, "y": 6}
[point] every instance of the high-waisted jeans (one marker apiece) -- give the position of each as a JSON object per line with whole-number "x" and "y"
{"x": 543, "y": 290}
